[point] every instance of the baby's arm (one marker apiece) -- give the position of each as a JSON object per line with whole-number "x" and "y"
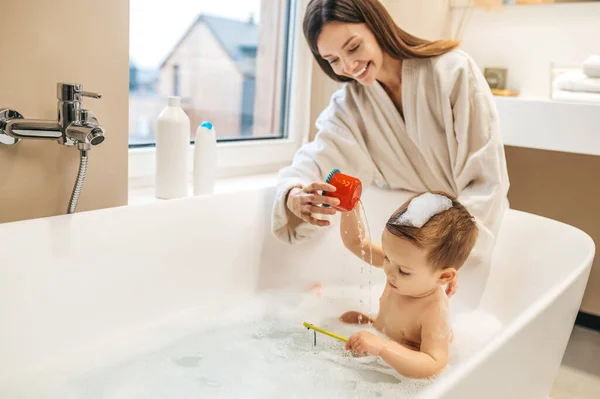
{"x": 350, "y": 228}
{"x": 428, "y": 362}
{"x": 433, "y": 356}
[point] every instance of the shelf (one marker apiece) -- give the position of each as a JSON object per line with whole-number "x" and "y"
{"x": 546, "y": 124}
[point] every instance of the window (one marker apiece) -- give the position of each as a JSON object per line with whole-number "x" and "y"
{"x": 226, "y": 59}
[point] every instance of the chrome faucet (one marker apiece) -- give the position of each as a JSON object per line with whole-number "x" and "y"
{"x": 75, "y": 126}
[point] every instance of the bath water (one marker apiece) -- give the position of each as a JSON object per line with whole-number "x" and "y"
{"x": 261, "y": 350}
{"x": 361, "y": 234}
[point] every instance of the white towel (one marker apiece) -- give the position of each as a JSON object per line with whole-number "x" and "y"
{"x": 591, "y": 66}
{"x": 574, "y": 96}
{"x": 577, "y": 81}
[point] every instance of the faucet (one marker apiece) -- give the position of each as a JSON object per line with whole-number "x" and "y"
{"x": 74, "y": 127}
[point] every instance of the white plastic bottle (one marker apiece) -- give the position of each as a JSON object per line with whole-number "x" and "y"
{"x": 205, "y": 159}
{"x": 172, "y": 148}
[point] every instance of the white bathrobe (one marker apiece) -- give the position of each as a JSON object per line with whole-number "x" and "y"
{"x": 448, "y": 140}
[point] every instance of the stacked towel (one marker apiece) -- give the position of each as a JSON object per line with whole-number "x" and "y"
{"x": 576, "y": 96}
{"x": 582, "y": 86}
{"x": 591, "y": 66}
{"x": 577, "y": 81}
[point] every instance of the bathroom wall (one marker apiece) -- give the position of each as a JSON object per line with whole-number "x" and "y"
{"x": 43, "y": 43}
{"x": 527, "y": 39}
{"x": 424, "y": 18}
{"x": 321, "y": 90}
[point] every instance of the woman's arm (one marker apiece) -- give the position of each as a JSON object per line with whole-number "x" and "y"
{"x": 337, "y": 145}
{"x": 355, "y": 239}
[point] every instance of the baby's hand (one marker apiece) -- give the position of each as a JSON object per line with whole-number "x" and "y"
{"x": 365, "y": 343}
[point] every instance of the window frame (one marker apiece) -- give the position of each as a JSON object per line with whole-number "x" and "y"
{"x": 247, "y": 156}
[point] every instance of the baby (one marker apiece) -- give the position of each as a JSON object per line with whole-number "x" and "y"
{"x": 424, "y": 244}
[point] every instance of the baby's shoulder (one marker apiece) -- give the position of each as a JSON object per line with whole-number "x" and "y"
{"x": 437, "y": 308}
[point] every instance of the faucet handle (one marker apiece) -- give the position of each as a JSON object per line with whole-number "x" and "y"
{"x": 73, "y": 92}
{"x": 91, "y": 95}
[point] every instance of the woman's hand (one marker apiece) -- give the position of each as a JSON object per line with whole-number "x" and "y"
{"x": 306, "y": 202}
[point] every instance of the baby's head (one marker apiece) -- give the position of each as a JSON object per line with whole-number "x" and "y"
{"x": 425, "y": 242}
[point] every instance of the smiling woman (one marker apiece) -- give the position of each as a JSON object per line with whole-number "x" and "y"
{"x": 412, "y": 115}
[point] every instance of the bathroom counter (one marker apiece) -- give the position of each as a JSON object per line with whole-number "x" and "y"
{"x": 550, "y": 125}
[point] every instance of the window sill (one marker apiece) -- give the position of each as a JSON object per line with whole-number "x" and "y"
{"x": 144, "y": 193}
{"x": 233, "y": 159}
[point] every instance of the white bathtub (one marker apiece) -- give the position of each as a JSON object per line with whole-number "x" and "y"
{"x": 82, "y": 291}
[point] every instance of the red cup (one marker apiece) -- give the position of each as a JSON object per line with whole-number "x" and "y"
{"x": 348, "y": 189}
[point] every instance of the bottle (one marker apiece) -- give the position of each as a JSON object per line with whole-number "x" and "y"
{"x": 348, "y": 189}
{"x": 205, "y": 159}
{"x": 172, "y": 148}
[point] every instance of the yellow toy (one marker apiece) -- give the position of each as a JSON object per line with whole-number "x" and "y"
{"x": 315, "y": 328}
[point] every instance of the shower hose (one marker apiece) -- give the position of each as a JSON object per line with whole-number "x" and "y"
{"x": 83, "y": 165}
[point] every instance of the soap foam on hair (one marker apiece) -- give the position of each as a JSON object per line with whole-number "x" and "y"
{"x": 423, "y": 208}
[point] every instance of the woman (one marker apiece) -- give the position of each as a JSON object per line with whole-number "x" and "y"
{"x": 413, "y": 115}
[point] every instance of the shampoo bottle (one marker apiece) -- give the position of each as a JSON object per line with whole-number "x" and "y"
{"x": 205, "y": 159}
{"x": 172, "y": 147}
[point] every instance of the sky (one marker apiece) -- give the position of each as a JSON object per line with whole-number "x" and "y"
{"x": 157, "y": 25}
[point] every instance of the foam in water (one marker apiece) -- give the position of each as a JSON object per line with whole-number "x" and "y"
{"x": 261, "y": 350}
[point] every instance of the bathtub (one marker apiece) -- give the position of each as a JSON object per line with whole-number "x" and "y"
{"x": 91, "y": 291}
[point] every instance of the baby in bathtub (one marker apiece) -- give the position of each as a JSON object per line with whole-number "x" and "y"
{"x": 424, "y": 244}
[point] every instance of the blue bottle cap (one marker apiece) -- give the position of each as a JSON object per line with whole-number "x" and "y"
{"x": 207, "y": 125}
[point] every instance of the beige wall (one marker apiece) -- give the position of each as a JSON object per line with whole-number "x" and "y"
{"x": 507, "y": 37}
{"x": 45, "y": 42}
{"x": 322, "y": 88}
{"x": 424, "y": 18}
{"x": 563, "y": 187}
{"x": 527, "y": 39}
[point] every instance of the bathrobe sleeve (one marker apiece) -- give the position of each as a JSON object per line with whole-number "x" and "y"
{"x": 479, "y": 167}
{"x": 338, "y": 144}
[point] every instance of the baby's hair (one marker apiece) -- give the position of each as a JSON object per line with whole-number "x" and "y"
{"x": 449, "y": 236}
